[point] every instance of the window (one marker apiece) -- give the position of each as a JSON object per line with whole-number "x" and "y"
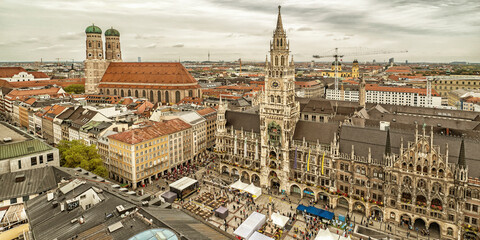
{"x": 19, "y": 164}
{"x": 475, "y": 208}
{"x": 474, "y": 221}
{"x": 467, "y": 219}
{"x": 25, "y": 198}
{"x": 13, "y": 200}
{"x": 49, "y": 157}
{"x": 33, "y": 161}
{"x": 41, "y": 159}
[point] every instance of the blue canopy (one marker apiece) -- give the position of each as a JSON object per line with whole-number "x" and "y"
{"x": 316, "y": 211}
{"x": 301, "y": 208}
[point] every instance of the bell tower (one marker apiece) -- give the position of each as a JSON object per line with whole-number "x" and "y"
{"x": 112, "y": 45}
{"x": 279, "y": 112}
{"x": 95, "y": 63}
{"x": 94, "y": 42}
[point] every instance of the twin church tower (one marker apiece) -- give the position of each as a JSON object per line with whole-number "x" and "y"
{"x": 97, "y": 60}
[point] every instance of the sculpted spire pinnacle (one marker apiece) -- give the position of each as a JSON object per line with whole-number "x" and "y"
{"x": 279, "y": 28}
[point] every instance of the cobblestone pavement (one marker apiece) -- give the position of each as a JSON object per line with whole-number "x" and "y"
{"x": 239, "y": 210}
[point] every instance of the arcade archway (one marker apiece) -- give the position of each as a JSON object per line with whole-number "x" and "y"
{"x": 256, "y": 180}
{"x": 245, "y": 177}
{"x": 359, "y": 207}
{"x": 274, "y": 182}
{"x": 295, "y": 191}
{"x": 434, "y": 230}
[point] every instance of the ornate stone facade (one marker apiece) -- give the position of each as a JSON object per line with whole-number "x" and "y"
{"x": 362, "y": 170}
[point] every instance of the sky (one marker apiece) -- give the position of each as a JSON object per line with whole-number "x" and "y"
{"x": 169, "y": 30}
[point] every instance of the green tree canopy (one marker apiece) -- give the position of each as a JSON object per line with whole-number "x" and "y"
{"x": 76, "y": 154}
{"x": 75, "y": 88}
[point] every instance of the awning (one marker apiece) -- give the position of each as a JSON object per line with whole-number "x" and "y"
{"x": 279, "y": 220}
{"x": 316, "y": 211}
{"x": 254, "y": 190}
{"x": 183, "y": 183}
{"x": 239, "y": 185}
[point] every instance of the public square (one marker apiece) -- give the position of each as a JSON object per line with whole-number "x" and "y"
{"x": 239, "y": 206}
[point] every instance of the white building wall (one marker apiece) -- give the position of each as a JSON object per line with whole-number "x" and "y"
{"x": 12, "y": 165}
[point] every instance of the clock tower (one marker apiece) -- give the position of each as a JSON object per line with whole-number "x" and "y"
{"x": 279, "y": 112}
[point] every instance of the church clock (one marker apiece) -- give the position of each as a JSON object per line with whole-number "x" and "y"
{"x": 275, "y": 84}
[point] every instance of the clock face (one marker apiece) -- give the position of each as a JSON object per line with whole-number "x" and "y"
{"x": 275, "y": 84}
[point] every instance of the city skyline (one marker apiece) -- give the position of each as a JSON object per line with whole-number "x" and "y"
{"x": 443, "y": 31}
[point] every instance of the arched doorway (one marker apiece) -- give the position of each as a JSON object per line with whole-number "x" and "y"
{"x": 419, "y": 224}
{"x": 308, "y": 193}
{"x": 376, "y": 212}
{"x": 225, "y": 170}
{"x": 359, "y": 207}
{"x": 434, "y": 230}
{"x": 235, "y": 174}
{"x": 274, "y": 182}
{"x": 256, "y": 180}
{"x": 295, "y": 191}
{"x": 245, "y": 177}
{"x": 405, "y": 220}
{"x": 323, "y": 198}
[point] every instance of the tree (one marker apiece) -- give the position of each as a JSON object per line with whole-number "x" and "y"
{"x": 75, "y": 88}
{"x": 76, "y": 154}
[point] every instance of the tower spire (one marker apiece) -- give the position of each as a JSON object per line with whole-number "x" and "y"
{"x": 461, "y": 155}
{"x": 279, "y": 28}
{"x": 388, "y": 147}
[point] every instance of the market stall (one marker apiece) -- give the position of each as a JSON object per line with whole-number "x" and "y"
{"x": 279, "y": 220}
{"x": 184, "y": 187}
{"x": 254, "y": 222}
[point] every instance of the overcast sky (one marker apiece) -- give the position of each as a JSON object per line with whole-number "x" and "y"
{"x": 166, "y": 30}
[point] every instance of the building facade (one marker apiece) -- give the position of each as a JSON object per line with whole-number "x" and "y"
{"x": 408, "y": 179}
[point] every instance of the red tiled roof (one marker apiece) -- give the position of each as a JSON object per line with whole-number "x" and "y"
{"x": 39, "y": 74}
{"x": 399, "y": 69}
{"x": 8, "y": 72}
{"x": 163, "y": 75}
{"x": 194, "y": 100}
{"x": 23, "y": 94}
{"x": 206, "y": 111}
{"x": 153, "y": 130}
{"x": 421, "y": 91}
{"x": 30, "y": 101}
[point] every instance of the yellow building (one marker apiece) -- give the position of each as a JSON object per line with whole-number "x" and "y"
{"x": 444, "y": 86}
{"x": 140, "y": 155}
{"x": 342, "y": 73}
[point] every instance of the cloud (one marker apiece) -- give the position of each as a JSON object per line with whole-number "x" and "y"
{"x": 148, "y": 36}
{"x": 30, "y": 40}
{"x": 49, "y": 47}
{"x": 153, "y": 45}
{"x": 180, "y": 45}
{"x": 71, "y": 36}
{"x": 304, "y": 29}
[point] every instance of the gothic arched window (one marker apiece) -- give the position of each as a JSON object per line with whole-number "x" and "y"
{"x": 283, "y": 61}
{"x": 144, "y": 93}
{"x": 129, "y": 93}
{"x": 89, "y": 44}
{"x": 159, "y": 96}
{"x": 167, "y": 97}
{"x": 190, "y": 93}
{"x": 272, "y": 99}
{"x": 99, "y": 44}
{"x": 177, "y": 96}
{"x": 109, "y": 46}
{"x": 151, "y": 96}
{"x": 136, "y": 93}
{"x": 279, "y": 100}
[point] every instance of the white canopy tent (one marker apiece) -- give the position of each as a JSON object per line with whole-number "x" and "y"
{"x": 279, "y": 220}
{"x": 259, "y": 236}
{"x": 183, "y": 183}
{"x": 325, "y": 234}
{"x": 252, "y": 189}
{"x": 239, "y": 185}
{"x": 254, "y": 222}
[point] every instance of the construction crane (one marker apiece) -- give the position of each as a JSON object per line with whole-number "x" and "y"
{"x": 240, "y": 61}
{"x": 357, "y": 52}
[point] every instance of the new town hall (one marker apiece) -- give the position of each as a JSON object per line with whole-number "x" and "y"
{"x": 416, "y": 176}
